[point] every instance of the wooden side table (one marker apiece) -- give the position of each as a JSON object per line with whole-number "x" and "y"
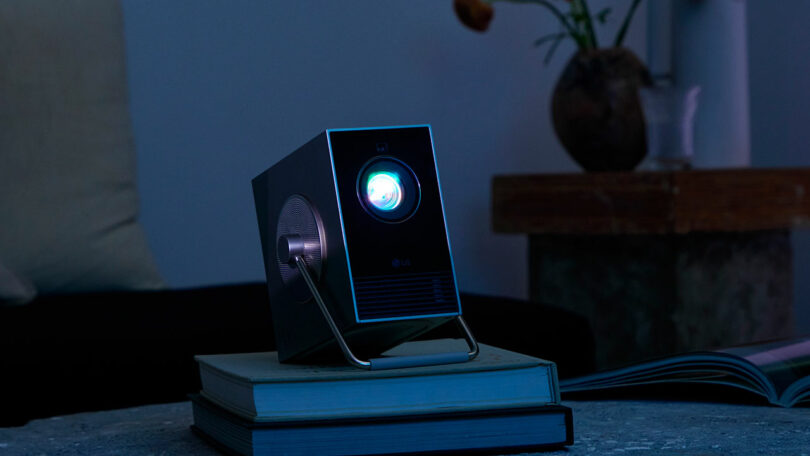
{"x": 665, "y": 262}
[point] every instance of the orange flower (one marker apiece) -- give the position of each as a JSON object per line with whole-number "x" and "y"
{"x": 475, "y": 14}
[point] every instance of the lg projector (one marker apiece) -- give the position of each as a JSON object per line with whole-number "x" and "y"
{"x": 356, "y": 249}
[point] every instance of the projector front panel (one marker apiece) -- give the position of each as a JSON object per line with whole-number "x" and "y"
{"x": 393, "y": 223}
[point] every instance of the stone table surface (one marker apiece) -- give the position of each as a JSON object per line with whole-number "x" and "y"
{"x": 600, "y": 428}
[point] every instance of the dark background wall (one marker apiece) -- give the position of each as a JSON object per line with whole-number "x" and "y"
{"x": 222, "y": 89}
{"x": 779, "y": 75}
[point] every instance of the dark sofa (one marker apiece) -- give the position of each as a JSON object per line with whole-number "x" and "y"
{"x": 71, "y": 353}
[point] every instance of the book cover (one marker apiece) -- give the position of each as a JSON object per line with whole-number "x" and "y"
{"x": 257, "y": 387}
{"x": 506, "y": 430}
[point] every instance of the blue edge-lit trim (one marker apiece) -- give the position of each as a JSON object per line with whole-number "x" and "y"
{"x": 343, "y": 230}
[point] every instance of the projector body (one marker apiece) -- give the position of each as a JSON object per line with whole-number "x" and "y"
{"x": 366, "y": 208}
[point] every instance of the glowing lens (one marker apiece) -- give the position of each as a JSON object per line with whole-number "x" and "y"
{"x": 384, "y": 190}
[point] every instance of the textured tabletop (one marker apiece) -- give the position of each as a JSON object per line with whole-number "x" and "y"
{"x": 600, "y": 428}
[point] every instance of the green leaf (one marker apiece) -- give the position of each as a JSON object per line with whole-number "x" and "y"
{"x": 578, "y": 36}
{"x": 550, "y": 37}
{"x": 602, "y": 15}
{"x": 579, "y": 18}
{"x": 626, "y": 23}
{"x": 553, "y": 48}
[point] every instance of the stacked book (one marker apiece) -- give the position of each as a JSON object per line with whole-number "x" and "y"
{"x": 501, "y": 401}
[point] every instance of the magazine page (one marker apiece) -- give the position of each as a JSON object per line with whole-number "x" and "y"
{"x": 698, "y": 367}
{"x": 783, "y": 362}
{"x": 776, "y": 370}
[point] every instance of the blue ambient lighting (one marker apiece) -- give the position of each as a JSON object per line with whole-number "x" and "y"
{"x": 384, "y": 190}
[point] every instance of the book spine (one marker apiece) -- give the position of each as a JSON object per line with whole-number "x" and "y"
{"x": 553, "y": 383}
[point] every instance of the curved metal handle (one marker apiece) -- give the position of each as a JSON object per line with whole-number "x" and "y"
{"x": 394, "y": 362}
{"x": 347, "y": 352}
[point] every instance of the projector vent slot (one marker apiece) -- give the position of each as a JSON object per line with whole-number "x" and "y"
{"x": 405, "y": 295}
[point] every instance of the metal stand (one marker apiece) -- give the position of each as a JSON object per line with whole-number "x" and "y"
{"x": 394, "y": 362}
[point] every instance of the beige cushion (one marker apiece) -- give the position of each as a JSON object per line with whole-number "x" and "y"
{"x": 68, "y": 202}
{"x": 14, "y": 289}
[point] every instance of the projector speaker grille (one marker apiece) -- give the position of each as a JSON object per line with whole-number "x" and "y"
{"x": 297, "y": 216}
{"x": 405, "y": 295}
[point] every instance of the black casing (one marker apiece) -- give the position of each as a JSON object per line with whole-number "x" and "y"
{"x": 383, "y": 283}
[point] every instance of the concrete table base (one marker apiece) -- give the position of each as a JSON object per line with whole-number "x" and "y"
{"x": 661, "y": 262}
{"x": 647, "y": 296}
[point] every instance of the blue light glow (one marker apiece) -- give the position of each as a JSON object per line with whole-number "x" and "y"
{"x": 384, "y": 190}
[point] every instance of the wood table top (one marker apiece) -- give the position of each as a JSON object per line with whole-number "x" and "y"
{"x": 680, "y": 202}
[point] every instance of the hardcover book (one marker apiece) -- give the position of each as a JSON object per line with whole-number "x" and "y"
{"x": 778, "y": 371}
{"x": 502, "y": 430}
{"x": 501, "y": 401}
{"x": 257, "y": 387}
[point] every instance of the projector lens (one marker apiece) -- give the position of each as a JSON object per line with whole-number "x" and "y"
{"x": 384, "y": 190}
{"x": 388, "y": 189}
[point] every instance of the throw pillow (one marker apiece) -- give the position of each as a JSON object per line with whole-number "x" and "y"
{"x": 68, "y": 202}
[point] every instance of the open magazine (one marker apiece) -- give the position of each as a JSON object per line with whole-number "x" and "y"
{"x": 778, "y": 371}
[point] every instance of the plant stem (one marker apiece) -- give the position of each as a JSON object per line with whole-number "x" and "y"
{"x": 553, "y": 48}
{"x": 626, "y": 23}
{"x": 581, "y": 42}
{"x": 586, "y": 14}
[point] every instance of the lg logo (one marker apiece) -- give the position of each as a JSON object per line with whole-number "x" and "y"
{"x": 401, "y": 262}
